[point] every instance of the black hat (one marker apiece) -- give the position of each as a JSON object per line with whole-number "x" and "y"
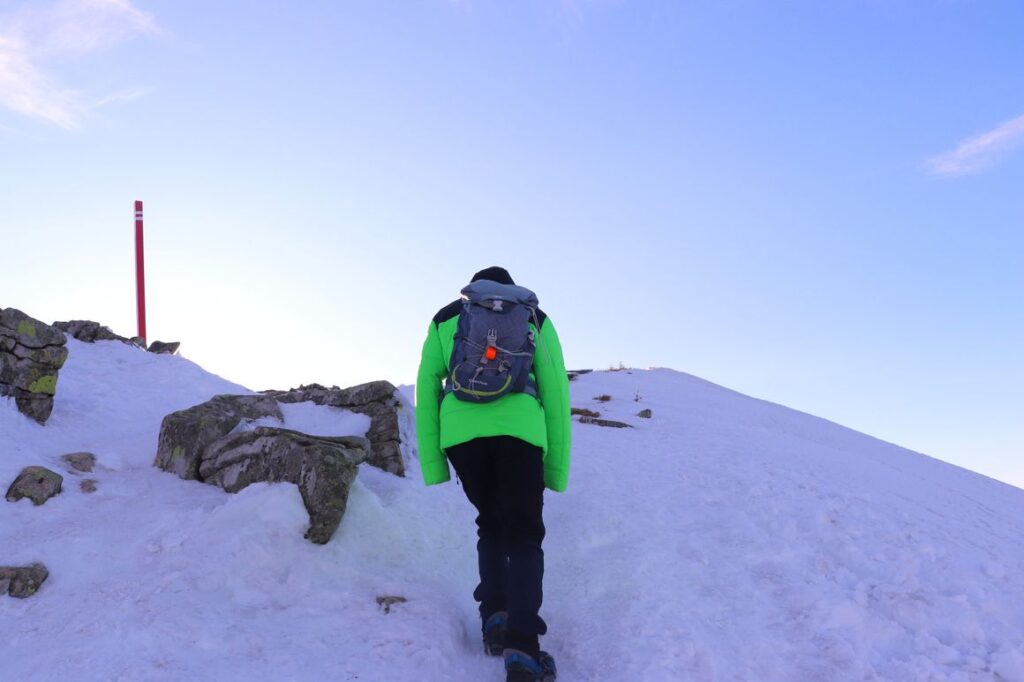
{"x": 494, "y": 274}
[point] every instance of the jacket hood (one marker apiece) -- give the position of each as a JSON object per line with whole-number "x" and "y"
{"x": 494, "y": 274}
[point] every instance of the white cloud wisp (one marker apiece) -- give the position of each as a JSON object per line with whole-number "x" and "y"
{"x": 980, "y": 152}
{"x": 30, "y": 35}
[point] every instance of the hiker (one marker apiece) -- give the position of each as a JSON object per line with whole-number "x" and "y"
{"x": 492, "y": 396}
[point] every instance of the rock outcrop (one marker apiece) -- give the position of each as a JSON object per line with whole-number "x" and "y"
{"x": 89, "y": 331}
{"x": 37, "y": 484}
{"x": 375, "y": 399}
{"x": 212, "y": 443}
{"x": 31, "y": 354}
{"x": 23, "y": 581}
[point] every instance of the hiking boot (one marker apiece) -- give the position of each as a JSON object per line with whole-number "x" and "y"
{"x": 522, "y": 667}
{"x": 495, "y": 628}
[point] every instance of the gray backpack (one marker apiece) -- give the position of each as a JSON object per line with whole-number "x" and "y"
{"x": 494, "y": 345}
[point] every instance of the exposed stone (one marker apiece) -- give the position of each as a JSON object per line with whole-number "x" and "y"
{"x": 29, "y": 331}
{"x": 605, "y": 422}
{"x": 31, "y": 354}
{"x": 583, "y": 412}
{"x": 574, "y": 373}
{"x": 87, "y": 485}
{"x": 375, "y": 399}
{"x": 138, "y": 341}
{"x": 89, "y": 331}
{"x": 386, "y": 601}
{"x": 184, "y": 435}
{"x": 36, "y": 483}
{"x": 645, "y": 414}
{"x": 169, "y": 348}
{"x": 80, "y": 461}
{"x": 22, "y": 581}
{"x": 322, "y": 467}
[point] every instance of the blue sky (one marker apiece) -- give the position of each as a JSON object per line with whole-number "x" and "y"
{"x": 814, "y": 203}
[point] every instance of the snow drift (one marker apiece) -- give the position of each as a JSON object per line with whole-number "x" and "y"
{"x": 725, "y": 538}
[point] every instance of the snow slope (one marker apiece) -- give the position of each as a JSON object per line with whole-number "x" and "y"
{"x": 724, "y": 539}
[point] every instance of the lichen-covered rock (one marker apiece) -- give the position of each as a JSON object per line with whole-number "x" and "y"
{"x": 24, "y": 581}
{"x": 36, "y": 483}
{"x": 28, "y": 331}
{"x": 185, "y": 435}
{"x": 375, "y": 399}
{"x": 169, "y": 348}
{"x": 31, "y": 354}
{"x": 89, "y": 331}
{"x": 80, "y": 461}
{"x": 323, "y": 468}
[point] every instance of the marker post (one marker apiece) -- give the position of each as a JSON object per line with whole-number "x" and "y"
{"x": 140, "y": 273}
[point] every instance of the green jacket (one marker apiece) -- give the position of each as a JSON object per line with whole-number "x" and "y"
{"x": 441, "y": 424}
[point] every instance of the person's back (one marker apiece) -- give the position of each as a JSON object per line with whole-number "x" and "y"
{"x": 507, "y": 434}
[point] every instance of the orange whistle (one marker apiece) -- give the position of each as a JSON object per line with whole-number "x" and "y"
{"x": 491, "y": 353}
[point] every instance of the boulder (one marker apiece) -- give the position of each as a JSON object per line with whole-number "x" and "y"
{"x": 184, "y": 435}
{"x": 88, "y": 331}
{"x": 169, "y": 348}
{"x": 80, "y": 461}
{"x": 377, "y": 400}
{"x": 22, "y": 581}
{"x": 31, "y": 354}
{"x": 322, "y": 467}
{"x": 37, "y": 484}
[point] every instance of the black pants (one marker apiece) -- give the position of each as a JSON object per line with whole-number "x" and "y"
{"x": 504, "y": 479}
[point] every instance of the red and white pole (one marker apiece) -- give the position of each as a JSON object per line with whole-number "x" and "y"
{"x": 140, "y": 273}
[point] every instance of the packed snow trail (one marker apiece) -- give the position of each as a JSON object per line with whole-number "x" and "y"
{"x": 724, "y": 539}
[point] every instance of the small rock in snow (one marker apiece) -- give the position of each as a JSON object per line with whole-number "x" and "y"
{"x": 88, "y": 485}
{"x": 605, "y": 422}
{"x": 36, "y": 483}
{"x": 387, "y": 601}
{"x": 80, "y": 461}
{"x": 22, "y": 581}
{"x": 169, "y": 348}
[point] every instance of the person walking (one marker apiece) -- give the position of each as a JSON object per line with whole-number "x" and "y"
{"x": 492, "y": 398}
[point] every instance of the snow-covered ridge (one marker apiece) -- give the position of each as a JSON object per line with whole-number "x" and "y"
{"x": 725, "y": 538}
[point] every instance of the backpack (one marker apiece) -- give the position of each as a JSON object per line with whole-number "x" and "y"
{"x": 494, "y": 345}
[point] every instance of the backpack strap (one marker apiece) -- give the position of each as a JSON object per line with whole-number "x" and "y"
{"x": 529, "y": 389}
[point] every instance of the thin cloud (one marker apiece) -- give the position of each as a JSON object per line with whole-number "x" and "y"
{"x": 982, "y": 151}
{"x": 33, "y": 35}
{"x": 121, "y": 96}
{"x": 26, "y": 90}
